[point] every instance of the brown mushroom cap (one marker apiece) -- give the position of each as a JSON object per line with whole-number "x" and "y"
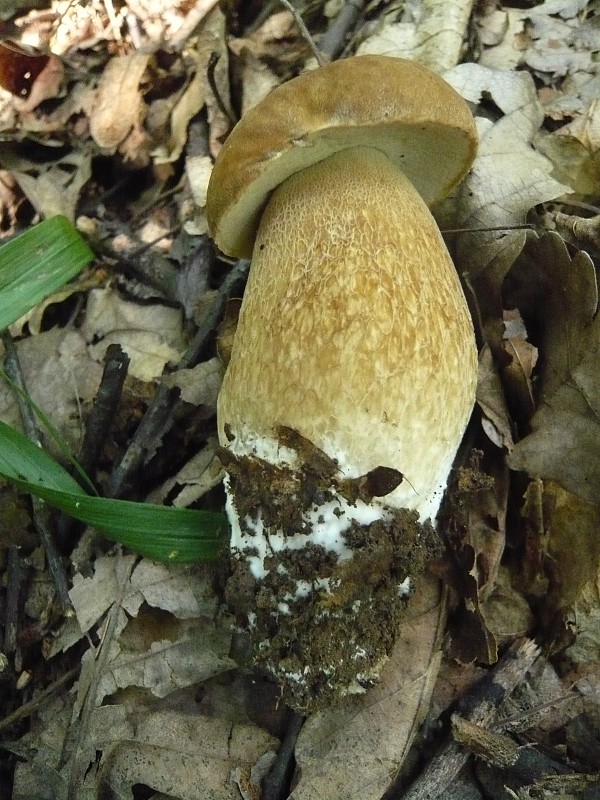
{"x": 391, "y": 104}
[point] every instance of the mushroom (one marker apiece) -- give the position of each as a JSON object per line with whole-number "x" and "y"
{"x": 353, "y": 370}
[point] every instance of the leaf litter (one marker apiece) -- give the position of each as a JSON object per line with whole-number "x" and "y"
{"x": 122, "y": 142}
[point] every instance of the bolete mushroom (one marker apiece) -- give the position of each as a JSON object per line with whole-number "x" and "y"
{"x": 352, "y": 375}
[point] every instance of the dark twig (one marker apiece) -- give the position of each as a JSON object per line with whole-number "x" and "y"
{"x": 305, "y": 32}
{"x": 334, "y": 40}
{"x": 29, "y": 708}
{"x": 158, "y": 418}
{"x": 14, "y": 575}
{"x": 481, "y": 707}
{"x": 116, "y": 364}
{"x": 41, "y": 517}
{"x": 210, "y": 75}
{"x": 277, "y": 782}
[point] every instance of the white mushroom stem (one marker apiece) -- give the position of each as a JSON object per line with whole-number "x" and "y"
{"x": 354, "y": 329}
{"x": 354, "y": 351}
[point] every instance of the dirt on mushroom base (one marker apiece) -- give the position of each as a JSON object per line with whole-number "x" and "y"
{"x": 321, "y": 625}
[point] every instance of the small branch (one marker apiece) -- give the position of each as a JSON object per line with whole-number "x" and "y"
{"x": 116, "y": 364}
{"x": 581, "y": 231}
{"x": 480, "y": 708}
{"x": 158, "y": 418}
{"x": 276, "y": 784}
{"x": 29, "y": 708}
{"x": 305, "y": 33}
{"x": 334, "y": 40}
{"x": 41, "y": 516}
{"x": 14, "y": 576}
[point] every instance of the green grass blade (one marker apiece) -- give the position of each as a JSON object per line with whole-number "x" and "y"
{"x": 159, "y": 532}
{"x": 37, "y": 263}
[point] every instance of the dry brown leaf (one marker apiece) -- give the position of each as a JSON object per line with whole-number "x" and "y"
{"x": 507, "y": 179}
{"x": 505, "y": 611}
{"x": 376, "y": 730}
{"x": 496, "y": 420}
{"x": 561, "y": 561}
{"x": 53, "y": 188}
{"x": 571, "y": 527}
{"x": 475, "y": 533}
{"x": 199, "y": 385}
{"x": 187, "y": 756}
{"x": 60, "y": 377}
{"x": 258, "y": 79}
{"x": 199, "y": 475}
{"x": 151, "y": 335}
{"x": 435, "y": 38}
{"x": 118, "y": 106}
{"x": 518, "y": 363}
{"x": 561, "y": 293}
{"x": 574, "y": 150}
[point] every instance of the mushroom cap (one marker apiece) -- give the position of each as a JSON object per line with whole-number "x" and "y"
{"x": 394, "y": 105}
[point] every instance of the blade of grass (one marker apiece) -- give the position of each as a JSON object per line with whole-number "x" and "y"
{"x": 37, "y": 263}
{"x": 160, "y": 532}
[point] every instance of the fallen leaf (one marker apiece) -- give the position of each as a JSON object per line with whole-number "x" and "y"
{"x": 151, "y": 335}
{"x": 574, "y": 150}
{"x": 53, "y": 188}
{"x": 496, "y": 420}
{"x": 118, "y": 106}
{"x": 60, "y": 377}
{"x": 377, "y": 729}
{"x": 435, "y": 38}
{"x": 561, "y": 293}
{"x": 507, "y": 179}
{"x": 187, "y": 756}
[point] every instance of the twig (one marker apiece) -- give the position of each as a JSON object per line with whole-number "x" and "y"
{"x": 582, "y": 231}
{"x": 158, "y": 418}
{"x": 276, "y": 784}
{"x": 27, "y": 709}
{"x": 199, "y": 10}
{"x": 526, "y": 226}
{"x": 116, "y": 364}
{"x": 334, "y": 40}
{"x": 481, "y": 708}
{"x": 41, "y": 517}
{"x": 305, "y": 33}
{"x": 210, "y": 75}
{"x": 14, "y": 575}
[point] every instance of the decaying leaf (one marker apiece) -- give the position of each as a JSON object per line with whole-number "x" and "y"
{"x": 561, "y": 556}
{"x": 187, "y": 756}
{"x": 53, "y": 188}
{"x": 574, "y": 150}
{"x": 151, "y": 335}
{"x": 435, "y": 36}
{"x": 118, "y": 107}
{"x": 496, "y": 420}
{"x": 375, "y": 730}
{"x": 560, "y": 293}
{"x": 61, "y": 377}
{"x": 507, "y": 179}
{"x": 475, "y": 532}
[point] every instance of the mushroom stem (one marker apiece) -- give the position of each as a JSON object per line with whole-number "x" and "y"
{"x": 354, "y": 330}
{"x": 350, "y": 384}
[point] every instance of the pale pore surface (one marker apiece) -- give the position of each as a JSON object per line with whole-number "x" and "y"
{"x": 354, "y": 329}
